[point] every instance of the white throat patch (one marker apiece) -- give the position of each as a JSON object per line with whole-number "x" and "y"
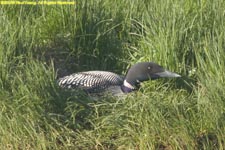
{"x": 125, "y": 83}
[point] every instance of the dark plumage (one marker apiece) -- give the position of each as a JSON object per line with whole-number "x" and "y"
{"x": 103, "y": 81}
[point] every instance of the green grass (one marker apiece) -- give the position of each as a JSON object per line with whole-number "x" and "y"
{"x": 38, "y": 44}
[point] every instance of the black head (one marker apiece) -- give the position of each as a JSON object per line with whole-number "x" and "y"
{"x": 147, "y": 71}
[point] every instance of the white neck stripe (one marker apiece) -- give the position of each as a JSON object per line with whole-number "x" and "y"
{"x": 125, "y": 83}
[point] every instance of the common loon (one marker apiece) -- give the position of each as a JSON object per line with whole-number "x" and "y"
{"x": 104, "y": 81}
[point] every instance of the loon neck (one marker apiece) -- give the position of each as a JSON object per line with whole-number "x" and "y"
{"x": 127, "y": 84}
{"x": 127, "y": 87}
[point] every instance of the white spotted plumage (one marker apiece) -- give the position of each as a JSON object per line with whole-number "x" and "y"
{"x": 91, "y": 81}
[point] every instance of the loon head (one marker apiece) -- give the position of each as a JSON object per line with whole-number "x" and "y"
{"x": 145, "y": 71}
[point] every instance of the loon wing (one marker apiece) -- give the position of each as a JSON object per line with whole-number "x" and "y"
{"x": 91, "y": 81}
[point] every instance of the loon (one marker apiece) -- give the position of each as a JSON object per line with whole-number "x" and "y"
{"x": 114, "y": 84}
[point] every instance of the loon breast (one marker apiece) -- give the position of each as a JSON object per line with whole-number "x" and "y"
{"x": 92, "y": 81}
